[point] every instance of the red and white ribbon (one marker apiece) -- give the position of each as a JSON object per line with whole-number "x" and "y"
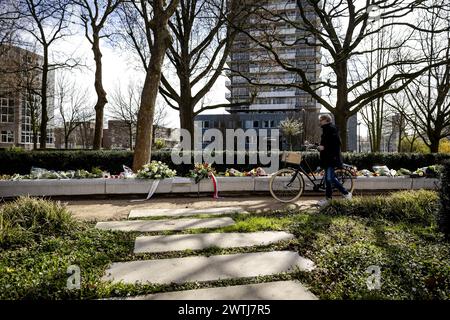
{"x": 216, "y": 187}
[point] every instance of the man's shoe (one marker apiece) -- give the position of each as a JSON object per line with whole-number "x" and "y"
{"x": 348, "y": 196}
{"x": 323, "y": 202}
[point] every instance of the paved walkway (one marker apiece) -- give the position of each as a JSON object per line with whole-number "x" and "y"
{"x": 211, "y": 268}
{"x": 119, "y": 209}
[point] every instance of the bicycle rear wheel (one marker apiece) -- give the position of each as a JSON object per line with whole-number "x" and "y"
{"x": 346, "y": 178}
{"x": 286, "y": 185}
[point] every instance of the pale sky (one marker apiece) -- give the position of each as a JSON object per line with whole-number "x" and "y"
{"x": 117, "y": 69}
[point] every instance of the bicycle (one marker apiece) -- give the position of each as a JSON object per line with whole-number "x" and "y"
{"x": 287, "y": 185}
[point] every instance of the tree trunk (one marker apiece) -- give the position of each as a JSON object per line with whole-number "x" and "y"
{"x": 142, "y": 153}
{"x": 341, "y": 124}
{"x": 130, "y": 132}
{"x": 341, "y": 112}
{"x": 44, "y": 115}
{"x": 35, "y": 140}
{"x": 434, "y": 145}
{"x": 187, "y": 120}
{"x": 400, "y": 133}
{"x": 101, "y": 94}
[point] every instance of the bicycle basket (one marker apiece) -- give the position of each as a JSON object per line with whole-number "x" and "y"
{"x": 291, "y": 157}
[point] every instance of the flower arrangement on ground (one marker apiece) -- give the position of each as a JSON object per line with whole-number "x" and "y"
{"x": 155, "y": 170}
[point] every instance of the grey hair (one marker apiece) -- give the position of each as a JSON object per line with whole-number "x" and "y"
{"x": 326, "y": 117}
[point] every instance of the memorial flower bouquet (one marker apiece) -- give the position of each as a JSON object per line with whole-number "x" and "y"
{"x": 155, "y": 170}
{"x": 201, "y": 171}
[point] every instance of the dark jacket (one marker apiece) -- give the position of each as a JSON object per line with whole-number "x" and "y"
{"x": 331, "y": 155}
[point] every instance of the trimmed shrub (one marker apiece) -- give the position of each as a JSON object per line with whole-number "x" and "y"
{"x": 22, "y": 162}
{"x": 444, "y": 212}
{"x": 112, "y": 161}
{"x": 413, "y": 206}
{"x": 28, "y": 220}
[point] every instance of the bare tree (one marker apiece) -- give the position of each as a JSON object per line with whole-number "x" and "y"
{"x": 8, "y": 25}
{"x": 94, "y": 15}
{"x": 338, "y": 29}
{"x": 291, "y": 128}
{"x": 203, "y": 40}
{"x": 124, "y": 107}
{"x": 29, "y": 86}
{"x": 376, "y": 113}
{"x": 428, "y": 96}
{"x": 45, "y": 22}
{"x": 72, "y": 103}
{"x": 152, "y": 17}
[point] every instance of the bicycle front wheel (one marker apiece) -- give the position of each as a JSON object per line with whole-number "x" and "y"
{"x": 286, "y": 185}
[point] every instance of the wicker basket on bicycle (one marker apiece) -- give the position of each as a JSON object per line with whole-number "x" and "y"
{"x": 291, "y": 157}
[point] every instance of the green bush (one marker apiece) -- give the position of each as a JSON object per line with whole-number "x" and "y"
{"x": 444, "y": 212}
{"x": 112, "y": 161}
{"x": 416, "y": 206}
{"x": 22, "y": 162}
{"x": 28, "y": 220}
{"x": 159, "y": 144}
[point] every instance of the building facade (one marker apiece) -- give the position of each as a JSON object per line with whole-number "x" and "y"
{"x": 247, "y": 60}
{"x": 252, "y": 68}
{"x": 20, "y": 100}
{"x": 82, "y": 137}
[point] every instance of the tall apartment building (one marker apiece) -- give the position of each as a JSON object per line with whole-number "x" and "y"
{"x": 20, "y": 101}
{"x": 248, "y": 60}
{"x": 256, "y": 63}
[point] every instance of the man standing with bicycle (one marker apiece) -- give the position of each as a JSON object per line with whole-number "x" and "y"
{"x": 330, "y": 157}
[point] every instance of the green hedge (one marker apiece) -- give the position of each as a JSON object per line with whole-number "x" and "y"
{"x": 444, "y": 212}
{"x": 21, "y": 161}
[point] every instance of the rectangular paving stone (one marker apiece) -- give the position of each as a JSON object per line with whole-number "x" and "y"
{"x": 180, "y": 212}
{"x": 279, "y": 290}
{"x": 200, "y": 268}
{"x": 163, "y": 225}
{"x": 181, "y": 242}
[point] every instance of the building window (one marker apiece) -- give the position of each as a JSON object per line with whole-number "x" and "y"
{"x": 268, "y": 124}
{"x": 7, "y": 137}
{"x": 205, "y": 124}
{"x": 255, "y": 124}
{"x": 6, "y": 110}
{"x": 29, "y": 105}
{"x": 50, "y": 137}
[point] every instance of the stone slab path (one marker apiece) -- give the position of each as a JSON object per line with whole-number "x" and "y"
{"x": 201, "y": 268}
{"x": 279, "y": 290}
{"x": 180, "y": 212}
{"x": 206, "y": 240}
{"x": 164, "y": 225}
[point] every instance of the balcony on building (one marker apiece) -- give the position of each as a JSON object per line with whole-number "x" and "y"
{"x": 280, "y": 106}
{"x": 274, "y": 94}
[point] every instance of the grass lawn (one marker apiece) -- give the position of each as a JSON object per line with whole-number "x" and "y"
{"x": 412, "y": 255}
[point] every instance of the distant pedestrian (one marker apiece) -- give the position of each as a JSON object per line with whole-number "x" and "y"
{"x": 330, "y": 158}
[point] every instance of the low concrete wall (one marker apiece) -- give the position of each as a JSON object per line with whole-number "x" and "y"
{"x": 51, "y": 187}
